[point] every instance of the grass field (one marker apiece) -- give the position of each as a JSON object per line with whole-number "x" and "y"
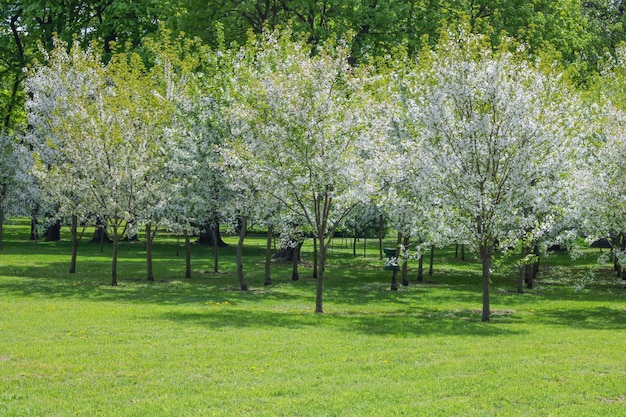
{"x": 73, "y": 345}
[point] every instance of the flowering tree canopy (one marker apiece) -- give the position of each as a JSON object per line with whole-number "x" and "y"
{"x": 305, "y": 131}
{"x": 495, "y": 133}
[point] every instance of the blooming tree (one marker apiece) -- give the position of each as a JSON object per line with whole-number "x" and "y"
{"x": 498, "y": 133}
{"x": 304, "y": 127}
{"x": 104, "y": 135}
{"x": 16, "y": 185}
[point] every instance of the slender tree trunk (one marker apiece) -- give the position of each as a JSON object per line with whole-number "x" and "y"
{"x": 116, "y": 245}
{"x": 462, "y": 252}
{"x": 420, "y": 269}
{"x": 215, "y": 251}
{"x": 522, "y": 272}
{"x": 102, "y": 233}
{"x": 294, "y": 262}
{"x": 380, "y": 236}
{"x": 537, "y": 253}
{"x": 354, "y": 246}
{"x": 34, "y": 234}
{"x": 520, "y": 279}
{"x": 74, "y": 239}
{"x": 268, "y": 255}
{"x": 456, "y": 251}
{"x": 432, "y": 260}
{"x": 405, "y": 265}
{"x": 486, "y": 254}
{"x": 149, "y": 251}
{"x": 242, "y": 235}
{"x": 319, "y": 290}
{"x": 315, "y": 257}
{"x": 187, "y": 254}
{"x": 394, "y": 273}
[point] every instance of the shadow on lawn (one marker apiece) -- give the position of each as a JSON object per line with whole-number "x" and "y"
{"x": 400, "y": 323}
{"x": 594, "y": 318}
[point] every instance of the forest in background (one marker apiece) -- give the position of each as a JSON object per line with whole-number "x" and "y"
{"x": 580, "y": 33}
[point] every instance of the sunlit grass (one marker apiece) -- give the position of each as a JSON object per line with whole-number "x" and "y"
{"x": 74, "y": 345}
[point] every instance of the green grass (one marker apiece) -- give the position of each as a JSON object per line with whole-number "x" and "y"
{"x": 73, "y": 345}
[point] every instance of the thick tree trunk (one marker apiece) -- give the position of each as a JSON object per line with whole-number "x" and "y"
{"x": 74, "y": 238}
{"x": 210, "y": 234}
{"x": 432, "y": 260}
{"x": 149, "y": 251}
{"x": 53, "y": 232}
{"x": 405, "y": 265}
{"x": 268, "y": 255}
{"x": 314, "y": 257}
{"x": 486, "y": 251}
{"x": 242, "y": 235}
{"x": 187, "y": 254}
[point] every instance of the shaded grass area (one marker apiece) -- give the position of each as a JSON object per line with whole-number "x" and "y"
{"x": 74, "y": 345}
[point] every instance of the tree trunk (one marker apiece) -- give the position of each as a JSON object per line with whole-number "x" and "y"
{"x": 522, "y": 272}
{"x": 294, "y": 262}
{"x": 405, "y": 265}
{"x": 380, "y": 236}
{"x": 486, "y": 251}
{"x": 354, "y": 246}
{"x": 210, "y": 234}
{"x": 420, "y": 269}
{"x": 319, "y": 290}
{"x": 462, "y": 252}
{"x": 215, "y": 251}
{"x": 242, "y": 235}
{"x": 149, "y": 251}
{"x": 314, "y": 257}
{"x": 53, "y": 232}
{"x": 432, "y": 260}
{"x": 116, "y": 245}
{"x": 187, "y": 254}
{"x": 456, "y": 251}
{"x": 74, "y": 238}
{"x": 268, "y": 255}
{"x": 537, "y": 253}
{"x": 394, "y": 274}
{"x": 34, "y": 235}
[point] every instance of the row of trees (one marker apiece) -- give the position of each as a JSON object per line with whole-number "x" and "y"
{"x": 493, "y": 148}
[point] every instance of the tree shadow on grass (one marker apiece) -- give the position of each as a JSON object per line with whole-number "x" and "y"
{"x": 593, "y": 318}
{"x": 401, "y": 323}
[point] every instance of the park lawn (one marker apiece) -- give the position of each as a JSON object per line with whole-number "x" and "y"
{"x": 74, "y": 345}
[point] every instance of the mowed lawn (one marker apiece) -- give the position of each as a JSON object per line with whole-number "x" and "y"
{"x": 74, "y": 345}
